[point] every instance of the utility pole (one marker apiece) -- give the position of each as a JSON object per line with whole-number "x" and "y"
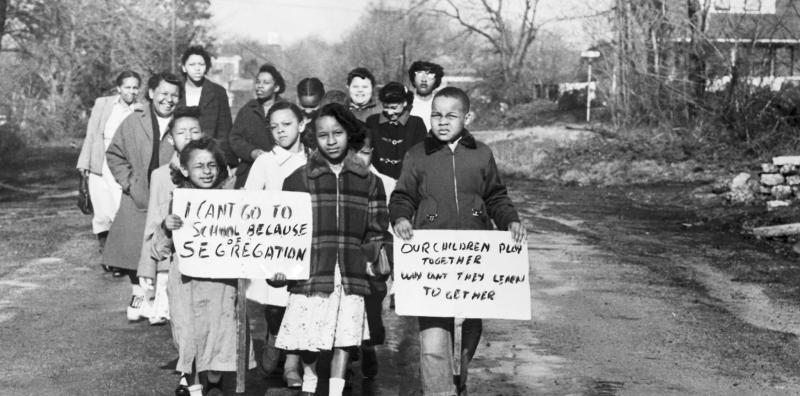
{"x": 172, "y": 61}
{"x": 589, "y": 56}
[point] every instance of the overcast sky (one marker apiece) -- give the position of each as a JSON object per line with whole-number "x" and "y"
{"x": 290, "y": 20}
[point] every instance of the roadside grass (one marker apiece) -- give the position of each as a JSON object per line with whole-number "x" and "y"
{"x": 609, "y": 158}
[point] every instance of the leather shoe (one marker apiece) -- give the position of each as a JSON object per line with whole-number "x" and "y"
{"x": 182, "y": 390}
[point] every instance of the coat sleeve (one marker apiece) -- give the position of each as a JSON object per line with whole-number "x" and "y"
{"x": 405, "y": 197}
{"x": 92, "y": 129}
{"x": 224, "y": 124}
{"x": 161, "y": 245}
{"x": 224, "y": 121}
{"x": 238, "y": 136}
{"x": 495, "y": 196}
{"x": 377, "y": 220}
{"x": 117, "y": 156}
{"x": 157, "y": 210}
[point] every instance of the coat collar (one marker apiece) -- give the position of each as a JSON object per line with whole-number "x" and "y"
{"x": 146, "y": 119}
{"x": 354, "y": 107}
{"x": 257, "y": 107}
{"x": 317, "y": 166}
{"x": 402, "y": 120}
{"x": 433, "y": 144}
{"x": 282, "y": 155}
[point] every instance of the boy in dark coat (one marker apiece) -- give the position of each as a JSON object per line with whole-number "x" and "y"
{"x": 450, "y": 182}
{"x": 394, "y": 131}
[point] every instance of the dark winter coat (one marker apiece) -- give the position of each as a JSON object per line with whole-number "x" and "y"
{"x": 350, "y": 219}
{"x": 215, "y": 115}
{"x": 391, "y": 141}
{"x": 250, "y": 131}
{"x": 364, "y": 111}
{"x": 451, "y": 190}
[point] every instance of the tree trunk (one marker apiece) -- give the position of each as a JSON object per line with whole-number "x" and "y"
{"x": 3, "y": 9}
{"x": 697, "y": 63}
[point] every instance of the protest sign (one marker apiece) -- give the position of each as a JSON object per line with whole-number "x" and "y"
{"x": 465, "y": 274}
{"x": 242, "y": 234}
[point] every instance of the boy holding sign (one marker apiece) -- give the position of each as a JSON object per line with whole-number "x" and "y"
{"x": 450, "y": 181}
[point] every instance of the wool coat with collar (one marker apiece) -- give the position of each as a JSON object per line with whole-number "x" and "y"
{"x": 446, "y": 189}
{"x": 128, "y": 158}
{"x": 391, "y": 141}
{"x": 249, "y": 132}
{"x": 215, "y": 114}
{"x": 350, "y": 220}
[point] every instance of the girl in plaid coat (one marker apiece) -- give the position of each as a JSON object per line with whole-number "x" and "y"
{"x": 326, "y": 312}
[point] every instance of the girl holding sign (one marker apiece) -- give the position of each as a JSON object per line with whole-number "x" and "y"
{"x": 268, "y": 173}
{"x": 202, "y": 310}
{"x": 326, "y": 312}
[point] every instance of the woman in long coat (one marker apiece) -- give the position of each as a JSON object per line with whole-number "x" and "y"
{"x": 210, "y": 98}
{"x": 107, "y": 114}
{"x": 138, "y": 148}
{"x": 250, "y": 136}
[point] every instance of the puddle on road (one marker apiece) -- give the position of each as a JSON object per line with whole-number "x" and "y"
{"x": 748, "y": 301}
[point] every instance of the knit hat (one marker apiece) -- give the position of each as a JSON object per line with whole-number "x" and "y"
{"x": 395, "y": 92}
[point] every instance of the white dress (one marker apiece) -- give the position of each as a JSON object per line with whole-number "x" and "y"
{"x": 104, "y": 190}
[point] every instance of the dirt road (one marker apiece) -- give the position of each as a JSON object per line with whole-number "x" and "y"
{"x": 631, "y": 296}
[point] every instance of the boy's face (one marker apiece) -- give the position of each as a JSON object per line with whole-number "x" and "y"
{"x": 448, "y": 118}
{"x": 393, "y": 111}
{"x": 184, "y": 130}
{"x": 201, "y": 169}
{"x": 360, "y": 90}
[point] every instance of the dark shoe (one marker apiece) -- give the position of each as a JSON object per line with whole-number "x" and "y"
{"x": 116, "y": 272}
{"x": 270, "y": 357}
{"x": 182, "y": 390}
{"x": 369, "y": 362}
{"x": 105, "y": 268}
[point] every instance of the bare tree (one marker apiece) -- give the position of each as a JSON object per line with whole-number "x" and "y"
{"x": 509, "y": 38}
{"x": 3, "y": 10}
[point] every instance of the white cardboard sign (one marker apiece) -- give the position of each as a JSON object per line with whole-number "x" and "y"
{"x": 242, "y": 233}
{"x": 464, "y": 274}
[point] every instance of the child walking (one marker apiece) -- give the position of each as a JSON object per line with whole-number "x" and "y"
{"x": 268, "y": 173}
{"x": 202, "y": 310}
{"x": 326, "y": 312}
{"x": 450, "y": 182}
{"x": 394, "y": 130}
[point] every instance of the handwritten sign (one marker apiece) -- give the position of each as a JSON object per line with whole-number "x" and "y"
{"x": 242, "y": 234}
{"x": 465, "y": 274}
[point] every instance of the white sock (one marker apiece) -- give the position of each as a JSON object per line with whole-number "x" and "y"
{"x": 183, "y": 380}
{"x": 309, "y": 382}
{"x": 336, "y": 387}
{"x": 137, "y": 290}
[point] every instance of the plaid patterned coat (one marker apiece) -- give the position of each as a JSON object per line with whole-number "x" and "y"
{"x": 350, "y": 218}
